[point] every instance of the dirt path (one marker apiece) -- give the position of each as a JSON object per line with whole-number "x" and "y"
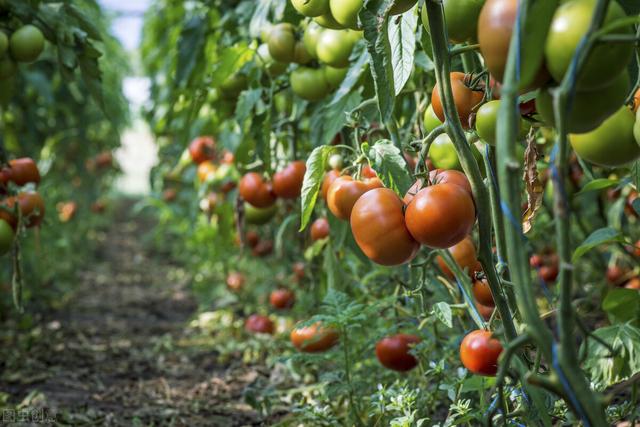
{"x": 114, "y": 355}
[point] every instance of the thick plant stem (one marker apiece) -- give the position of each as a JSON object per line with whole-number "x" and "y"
{"x": 469, "y": 164}
{"x": 586, "y": 403}
{"x": 576, "y": 390}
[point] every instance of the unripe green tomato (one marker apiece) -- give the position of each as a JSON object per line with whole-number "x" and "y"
{"x": 334, "y": 47}
{"x": 487, "y": 122}
{"x": 4, "y": 44}
{"x": 327, "y": 21}
{"x": 461, "y": 17}
{"x": 336, "y": 161}
{"x": 232, "y": 87}
{"x": 311, "y": 8}
{"x": 259, "y": 216}
{"x": 335, "y": 76}
{"x": 345, "y": 12}
{"x": 273, "y": 67}
{"x": 431, "y": 121}
{"x": 570, "y": 24}
{"x": 7, "y": 236}
{"x": 590, "y": 107}
{"x": 26, "y": 44}
{"x": 282, "y": 43}
{"x": 309, "y": 83}
{"x": 612, "y": 143}
{"x": 8, "y": 68}
{"x": 265, "y": 31}
{"x": 302, "y": 55}
{"x": 310, "y": 38}
{"x": 443, "y": 155}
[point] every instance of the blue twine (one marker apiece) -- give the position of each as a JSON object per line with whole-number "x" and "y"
{"x": 566, "y": 387}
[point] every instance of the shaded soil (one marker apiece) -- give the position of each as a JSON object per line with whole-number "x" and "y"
{"x": 114, "y": 355}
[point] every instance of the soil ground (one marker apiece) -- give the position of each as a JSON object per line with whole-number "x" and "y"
{"x": 114, "y": 354}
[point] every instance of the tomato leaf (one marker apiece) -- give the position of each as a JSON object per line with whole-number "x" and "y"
{"x": 597, "y": 238}
{"x": 246, "y": 102}
{"x": 353, "y": 75}
{"x": 328, "y": 119}
{"x": 402, "y": 41}
{"x": 375, "y": 34}
{"x": 316, "y": 166}
{"x": 442, "y": 311}
{"x": 607, "y": 369}
{"x": 598, "y": 184}
{"x": 622, "y": 305}
{"x": 190, "y": 47}
{"x": 390, "y": 166}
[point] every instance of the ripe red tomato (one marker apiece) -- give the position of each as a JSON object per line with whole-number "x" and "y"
{"x": 169, "y": 195}
{"x": 263, "y": 248}
{"x": 299, "y": 270}
{"x": 482, "y": 292}
{"x": 20, "y": 172}
{"x": 393, "y": 352}
{"x": 633, "y": 284}
{"x": 206, "y": 170}
{"x": 368, "y": 172}
{"x": 329, "y": 177}
{"x": 31, "y": 206}
{"x": 252, "y": 238}
{"x": 441, "y": 215}
{"x": 202, "y": 149}
{"x": 467, "y": 100}
{"x": 536, "y": 261}
{"x": 486, "y": 311}
{"x": 282, "y": 298}
{"x": 235, "y": 281}
{"x": 259, "y": 324}
{"x": 344, "y": 192}
{"x": 66, "y": 211}
{"x": 440, "y": 176}
{"x": 479, "y": 353}
{"x": 615, "y": 274}
{"x": 548, "y": 273}
{"x": 464, "y": 253}
{"x": 320, "y": 229}
{"x": 288, "y": 182}
{"x": 378, "y": 226}
{"x": 256, "y": 191}
{"x": 314, "y": 338}
{"x": 104, "y": 160}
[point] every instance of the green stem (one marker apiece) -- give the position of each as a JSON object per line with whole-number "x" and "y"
{"x": 469, "y": 164}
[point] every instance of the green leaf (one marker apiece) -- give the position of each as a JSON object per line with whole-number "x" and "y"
{"x": 375, "y": 33}
{"x": 390, "y": 166}
{"x": 442, "y": 311}
{"x": 190, "y": 47}
{"x": 246, "y": 102}
{"x": 597, "y": 238}
{"x": 402, "y": 41}
{"x": 622, "y": 305}
{"x": 328, "y": 119}
{"x": 598, "y": 184}
{"x": 316, "y": 166}
{"x": 353, "y": 75}
{"x": 606, "y": 370}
